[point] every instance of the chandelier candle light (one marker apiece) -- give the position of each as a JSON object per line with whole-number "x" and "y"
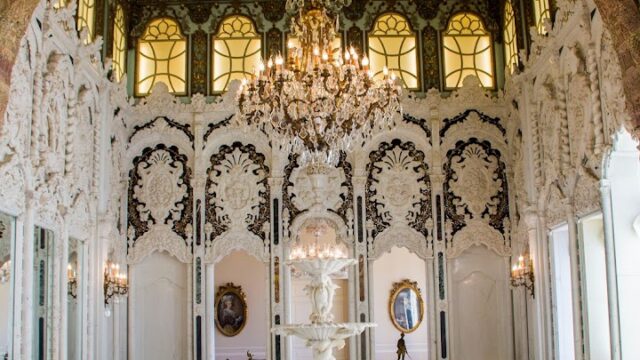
{"x": 115, "y": 285}
{"x": 522, "y": 274}
{"x": 317, "y": 102}
{"x": 72, "y": 282}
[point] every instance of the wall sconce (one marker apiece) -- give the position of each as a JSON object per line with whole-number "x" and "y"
{"x": 116, "y": 285}
{"x": 522, "y": 274}
{"x": 72, "y": 282}
{"x": 5, "y": 272}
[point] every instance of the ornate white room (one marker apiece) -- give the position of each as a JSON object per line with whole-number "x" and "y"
{"x": 320, "y": 179}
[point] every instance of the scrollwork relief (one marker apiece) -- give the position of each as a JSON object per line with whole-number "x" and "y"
{"x": 398, "y": 187}
{"x": 160, "y": 203}
{"x": 237, "y": 191}
{"x": 476, "y": 186}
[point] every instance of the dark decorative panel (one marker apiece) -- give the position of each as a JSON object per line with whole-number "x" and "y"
{"x": 273, "y": 10}
{"x": 274, "y": 42}
{"x": 199, "y": 62}
{"x": 199, "y": 13}
{"x": 355, "y": 39}
{"x": 430, "y": 58}
{"x": 448, "y": 123}
{"x": 186, "y": 128}
{"x": 428, "y": 9}
{"x": 213, "y": 127}
{"x": 355, "y": 11}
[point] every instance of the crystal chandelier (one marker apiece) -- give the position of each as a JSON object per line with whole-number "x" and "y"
{"x": 317, "y": 102}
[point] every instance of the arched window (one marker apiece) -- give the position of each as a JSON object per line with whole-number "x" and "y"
{"x": 542, "y": 12}
{"x": 468, "y": 50}
{"x": 119, "y": 44}
{"x": 393, "y": 44}
{"x": 162, "y": 57}
{"x": 86, "y": 17}
{"x": 510, "y": 37}
{"x": 236, "y": 51}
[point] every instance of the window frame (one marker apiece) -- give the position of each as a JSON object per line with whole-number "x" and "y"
{"x": 214, "y": 36}
{"x": 418, "y": 49}
{"x": 537, "y": 18}
{"x": 137, "y": 60}
{"x": 491, "y": 51}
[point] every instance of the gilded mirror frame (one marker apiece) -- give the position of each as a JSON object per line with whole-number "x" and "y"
{"x": 226, "y": 290}
{"x": 397, "y": 288}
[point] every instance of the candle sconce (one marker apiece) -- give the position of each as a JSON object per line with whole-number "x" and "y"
{"x": 72, "y": 282}
{"x": 522, "y": 274}
{"x": 116, "y": 285}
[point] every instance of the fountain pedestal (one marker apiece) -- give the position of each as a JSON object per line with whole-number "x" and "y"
{"x": 322, "y": 335}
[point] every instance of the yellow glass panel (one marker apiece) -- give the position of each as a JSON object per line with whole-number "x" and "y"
{"x": 57, "y": 4}
{"x": 86, "y": 17}
{"x": 236, "y": 51}
{"x": 393, "y": 44}
{"x": 542, "y": 13}
{"x": 119, "y": 44}
{"x": 510, "y": 39}
{"x": 162, "y": 57}
{"x": 468, "y": 50}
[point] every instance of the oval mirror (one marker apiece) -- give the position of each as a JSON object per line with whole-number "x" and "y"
{"x": 406, "y": 306}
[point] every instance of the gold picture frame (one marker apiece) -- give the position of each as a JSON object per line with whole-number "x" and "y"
{"x": 404, "y": 302}
{"x": 230, "y": 309}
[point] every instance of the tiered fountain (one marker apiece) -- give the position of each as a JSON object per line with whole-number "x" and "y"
{"x": 320, "y": 263}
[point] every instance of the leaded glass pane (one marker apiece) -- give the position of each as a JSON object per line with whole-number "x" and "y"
{"x": 542, "y": 13}
{"x": 510, "y": 40}
{"x": 468, "y": 50}
{"x": 236, "y": 51}
{"x": 119, "y": 44}
{"x": 162, "y": 57}
{"x": 86, "y": 17}
{"x": 393, "y": 44}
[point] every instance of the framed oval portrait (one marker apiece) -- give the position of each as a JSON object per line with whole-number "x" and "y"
{"x": 231, "y": 309}
{"x": 406, "y": 307}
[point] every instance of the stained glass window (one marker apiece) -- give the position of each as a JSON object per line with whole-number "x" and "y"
{"x": 119, "y": 44}
{"x": 468, "y": 50}
{"x": 393, "y": 44}
{"x": 510, "y": 40}
{"x": 86, "y": 17}
{"x": 236, "y": 51}
{"x": 542, "y": 13}
{"x": 162, "y": 57}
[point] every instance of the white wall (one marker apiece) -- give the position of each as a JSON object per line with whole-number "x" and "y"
{"x": 595, "y": 277}
{"x": 624, "y": 174}
{"x": 244, "y": 270}
{"x": 390, "y": 268}
{"x": 562, "y": 293}
{"x": 5, "y": 303}
{"x": 159, "y": 309}
{"x": 480, "y": 312}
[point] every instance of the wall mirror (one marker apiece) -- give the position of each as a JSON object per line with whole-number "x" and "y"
{"x": 74, "y": 299}
{"x": 43, "y": 292}
{"x": 406, "y": 306}
{"x": 7, "y": 239}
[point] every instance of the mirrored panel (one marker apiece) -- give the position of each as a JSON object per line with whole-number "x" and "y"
{"x": 406, "y": 306}
{"x": 7, "y": 239}
{"x": 43, "y": 292}
{"x": 74, "y": 299}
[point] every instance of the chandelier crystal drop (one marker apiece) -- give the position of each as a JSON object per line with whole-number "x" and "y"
{"x": 317, "y": 102}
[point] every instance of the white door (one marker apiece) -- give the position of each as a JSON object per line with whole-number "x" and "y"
{"x": 159, "y": 309}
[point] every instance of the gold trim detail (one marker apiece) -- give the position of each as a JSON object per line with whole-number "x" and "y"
{"x": 398, "y": 287}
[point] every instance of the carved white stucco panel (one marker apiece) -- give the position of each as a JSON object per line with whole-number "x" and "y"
{"x": 399, "y": 235}
{"x": 477, "y": 232}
